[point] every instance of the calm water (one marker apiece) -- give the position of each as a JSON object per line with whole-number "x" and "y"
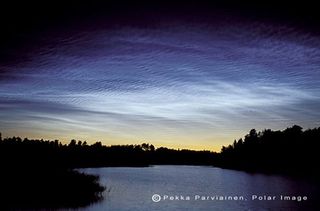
{"x": 133, "y": 189}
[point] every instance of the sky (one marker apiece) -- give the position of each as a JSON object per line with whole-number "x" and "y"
{"x": 179, "y": 83}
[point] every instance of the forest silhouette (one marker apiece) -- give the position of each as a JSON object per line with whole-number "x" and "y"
{"x": 291, "y": 151}
{"x": 40, "y": 173}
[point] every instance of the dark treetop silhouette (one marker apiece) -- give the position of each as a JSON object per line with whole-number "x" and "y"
{"x": 38, "y": 173}
{"x": 291, "y": 151}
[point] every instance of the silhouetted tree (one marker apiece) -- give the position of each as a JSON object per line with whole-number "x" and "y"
{"x": 72, "y": 143}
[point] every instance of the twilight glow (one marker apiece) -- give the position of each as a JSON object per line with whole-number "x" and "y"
{"x": 179, "y": 84}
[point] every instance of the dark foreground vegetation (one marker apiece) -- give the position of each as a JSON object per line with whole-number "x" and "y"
{"x": 33, "y": 176}
{"x": 32, "y": 188}
{"x": 39, "y": 173}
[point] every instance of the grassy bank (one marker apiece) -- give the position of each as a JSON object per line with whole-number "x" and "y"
{"x": 28, "y": 187}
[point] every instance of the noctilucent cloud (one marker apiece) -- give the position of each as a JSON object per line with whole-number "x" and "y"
{"x": 182, "y": 85}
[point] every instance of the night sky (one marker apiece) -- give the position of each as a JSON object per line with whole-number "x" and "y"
{"x": 174, "y": 78}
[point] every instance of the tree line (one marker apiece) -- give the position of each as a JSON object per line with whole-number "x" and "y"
{"x": 78, "y": 154}
{"x": 291, "y": 151}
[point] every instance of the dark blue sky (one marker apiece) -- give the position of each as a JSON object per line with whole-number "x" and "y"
{"x": 177, "y": 83}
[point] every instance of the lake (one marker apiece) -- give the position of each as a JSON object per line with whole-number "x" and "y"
{"x": 199, "y": 188}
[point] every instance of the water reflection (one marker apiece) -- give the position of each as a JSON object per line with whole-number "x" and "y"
{"x": 198, "y": 188}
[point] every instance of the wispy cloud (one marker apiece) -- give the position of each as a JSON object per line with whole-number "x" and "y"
{"x": 196, "y": 83}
